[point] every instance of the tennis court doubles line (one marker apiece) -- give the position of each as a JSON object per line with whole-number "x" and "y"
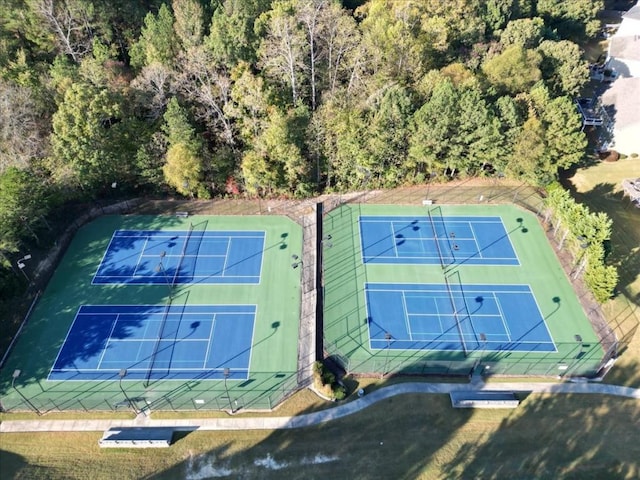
{"x": 455, "y": 317}
{"x": 157, "y": 342}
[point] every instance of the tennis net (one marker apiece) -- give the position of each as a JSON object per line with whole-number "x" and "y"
{"x": 455, "y": 315}
{"x": 435, "y": 239}
{"x": 157, "y": 345}
{"x": 182, "y": 255}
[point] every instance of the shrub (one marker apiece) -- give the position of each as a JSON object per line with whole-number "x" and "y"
{"x": 325, "y": 382}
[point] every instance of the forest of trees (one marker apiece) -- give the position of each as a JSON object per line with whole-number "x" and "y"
{"x": 279, "y": 97}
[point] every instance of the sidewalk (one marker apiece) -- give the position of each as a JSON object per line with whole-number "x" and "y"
{"x": 272, "y": 423}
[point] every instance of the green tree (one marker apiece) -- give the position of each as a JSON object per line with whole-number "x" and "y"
{"x": 342, "y": 130}
{"x": 184, "y": 167}
{"x": 23, "y": 203}
{"x": 189, "y": 22}
{"x": 91, "y": 138}
{"x": 574, "y": 20}
{"x": 232, "y": 36}
{"x": 396, "y": 44}
{"x": 496, "y": 14}
{"x": 275, "y": 164}
{"x": 454, "y": 129}
{"x": 513, "y": 71}
{"x": 526, "y": 32}
{"x": 565, "y": 143}
{"x": 528, "y": 160}
{"x": 563, "y": 68}
{"x": 157, "y": 42}
{"x": 387, "y": 137}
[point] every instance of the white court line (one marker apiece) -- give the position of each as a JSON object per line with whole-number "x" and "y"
{"x": 226, "y": 257}
{"x": 393, "y": 239}
{"x": 209, "y": 342}
{"x": 475, "y": 240}
{"x": 65, "y": 341}
{"x": 104, "y": 349}
{"x": 406, "y": 315}
{"x": 144, "y": 247}
{"x": 104, "y": 255}
{"x": 503, "y": 317}
{"x": 439, "y": 316}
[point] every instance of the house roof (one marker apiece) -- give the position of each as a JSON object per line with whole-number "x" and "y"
{"x": 622, "y": 103}
{"x": 626, "y": 47}
{"x": 633, "y": 13}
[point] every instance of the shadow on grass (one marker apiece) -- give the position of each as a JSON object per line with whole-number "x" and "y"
{"x": 421, "y": 436}
{"x": 556, "y": 436}
{"x": 394, "y": 438}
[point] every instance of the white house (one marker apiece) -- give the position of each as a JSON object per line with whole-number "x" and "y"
{"x": 622, "y": 99}
{"x": 624, "y": 46}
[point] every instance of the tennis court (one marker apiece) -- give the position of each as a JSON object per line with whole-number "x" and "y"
{"x": 197, "y": 312}
{"x": 153, "y": 342}
{"x": 455, "y": 317}
{"x": 436, "y": 239}
{"x": 181, "y": 257}
{"x": 424, "y": 289}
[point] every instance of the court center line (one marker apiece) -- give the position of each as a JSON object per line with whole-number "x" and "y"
{"x": 503, "y": 317}
{"x": 406, "y": 314}
{"x": 393, "y": 239}
{"x": 106, "y": 345}
{"x": 140, "y": 256}
{"x": 209, "y": 342}
{"x": 475, "y": 240}
{"x": 435, "y": 303}
{"x": 226, "y": 256}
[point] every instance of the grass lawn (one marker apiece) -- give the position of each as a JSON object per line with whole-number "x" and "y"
{"x": 598, "y": 186}
{"x": 407, "y": 437}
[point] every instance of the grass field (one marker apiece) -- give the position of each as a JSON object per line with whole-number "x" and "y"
{"x": 406, "y": 437}
{"x": 273, "y": 355}
{"x": 598, "y": 186}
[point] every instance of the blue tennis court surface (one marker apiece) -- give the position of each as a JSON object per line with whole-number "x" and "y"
{"x": 436, "y": 239}
{"x": 456, "y": 317}
{"x": 156, "y": 342}
{"x": 177, "y": 257}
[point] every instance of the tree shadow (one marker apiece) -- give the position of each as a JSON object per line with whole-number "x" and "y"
{"x": 555, "y": 436}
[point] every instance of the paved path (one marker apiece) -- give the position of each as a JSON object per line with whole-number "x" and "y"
{"x": 271, "y": 423}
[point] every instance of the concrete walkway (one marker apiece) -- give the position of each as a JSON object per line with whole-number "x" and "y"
{"x": 272, "y": 423}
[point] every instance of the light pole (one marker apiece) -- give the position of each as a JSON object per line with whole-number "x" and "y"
{"x": 123, "y": 373}
{"x": 226, "y": 373}
{"x": 296, "y": 261}
{"x": 574, "y": 363}
{"x": 483, "y": 339}
{"x": 16, "y": 374}
{"x": 21, "y": 265}
{"x": 387, "y": 337}
{"x": 160, "y": 269}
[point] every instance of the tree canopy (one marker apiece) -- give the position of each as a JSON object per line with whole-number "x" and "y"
{"x": 286, "y": 97}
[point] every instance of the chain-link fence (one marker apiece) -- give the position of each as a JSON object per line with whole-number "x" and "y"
{"x": 614, "y": 332}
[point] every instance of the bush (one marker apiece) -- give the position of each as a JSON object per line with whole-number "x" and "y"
{"x": 634, "y": 155}
{"x": 609, "y": 156}
{"x": 325, "y": 382}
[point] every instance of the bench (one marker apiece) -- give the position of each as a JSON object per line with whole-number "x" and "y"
{"x": 483, "y": 399}
{"x": 182, "y": 214}
{"x": 137, "y": 437}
